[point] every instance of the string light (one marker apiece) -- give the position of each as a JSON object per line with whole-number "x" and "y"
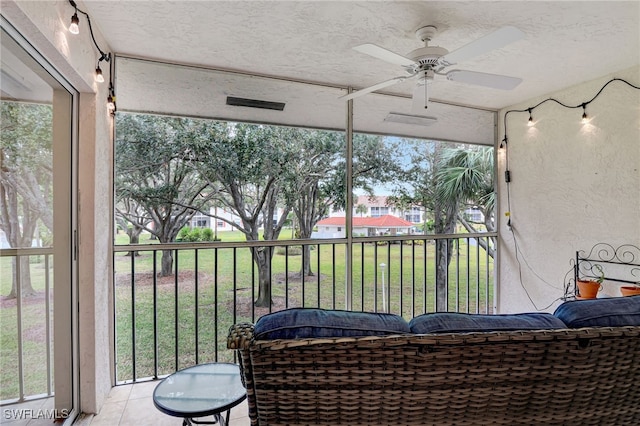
{"x": 73, "y": 27}
{"x": 583, "y": 105}
{"x": 111, "y": 100}
{"x": 99, "y": 77}
{"x": 103, "y": 57}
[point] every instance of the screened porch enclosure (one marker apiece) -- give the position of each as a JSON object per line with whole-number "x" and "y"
{"x": 164, "y": 322}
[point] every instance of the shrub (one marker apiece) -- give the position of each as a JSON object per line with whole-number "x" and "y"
{"x": 183, "y": 234}
{"x": 195, "y": 235}
{"x": 207, "y": 234}
{"x": 293, "y": 251}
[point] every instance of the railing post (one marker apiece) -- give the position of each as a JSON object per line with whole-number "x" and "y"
{"x": 19, "y": 328}
{"x": 349, "y": 207}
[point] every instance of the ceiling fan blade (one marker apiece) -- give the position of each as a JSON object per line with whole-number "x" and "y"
{"x": 374, "y": 88}
{"x": 494, "y": 40}
{"x": 494, "y": 81}
{"x": 384, "y": 54}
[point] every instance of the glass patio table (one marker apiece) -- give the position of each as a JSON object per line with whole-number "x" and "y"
{"x": 200, "y": 391}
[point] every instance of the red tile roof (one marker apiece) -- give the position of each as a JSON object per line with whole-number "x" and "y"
{"x": 386, "y": 221}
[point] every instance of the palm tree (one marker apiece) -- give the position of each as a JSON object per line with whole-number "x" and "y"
{"x": 361, "y": 209}
{"x": 465, "y": 177}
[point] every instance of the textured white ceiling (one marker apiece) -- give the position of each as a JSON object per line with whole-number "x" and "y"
{"x": 566, "y": 43}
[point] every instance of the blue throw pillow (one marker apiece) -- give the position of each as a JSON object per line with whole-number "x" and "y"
{"x": 299, "y": 323}
{"x": 465, "y": 323}
{"x": 611, "y": 312}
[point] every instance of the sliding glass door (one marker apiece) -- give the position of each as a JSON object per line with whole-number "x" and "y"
{"x": 38, "y": 359}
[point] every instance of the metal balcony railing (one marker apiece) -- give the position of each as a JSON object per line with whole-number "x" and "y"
{"x": 165, "y": 323}
{"x": 26, "y": 350}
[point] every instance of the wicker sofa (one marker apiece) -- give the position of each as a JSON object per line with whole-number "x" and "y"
{"x": 580, "y": 366}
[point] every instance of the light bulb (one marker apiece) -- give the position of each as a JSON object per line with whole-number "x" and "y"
{"x": 530, "y": 123}
{"x": 111, "y": 103}
{"x": 99, "y": 77}
{"x": 585, "y": 118}
{"x": 73, "y": 28}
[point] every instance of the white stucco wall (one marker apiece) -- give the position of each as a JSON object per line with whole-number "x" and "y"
{"x": 44, "y": 24}
{"x": 572, "y": 185}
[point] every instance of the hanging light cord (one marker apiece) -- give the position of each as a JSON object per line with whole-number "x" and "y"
{"x": 580, "y": 105}
{"x": 103, "y": 56}
{"x": 504, "y": 144}
{"x": 111, "y": 98}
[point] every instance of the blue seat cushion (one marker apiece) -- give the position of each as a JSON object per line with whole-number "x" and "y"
{"x": 465, "y": 323}
{"x": 299, "y": 323}
{"x": 611, "y": 312}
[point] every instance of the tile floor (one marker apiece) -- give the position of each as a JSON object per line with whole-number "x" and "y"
{"x": 127, "y": 405}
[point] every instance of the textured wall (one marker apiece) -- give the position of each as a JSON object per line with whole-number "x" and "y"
{"x": 573, "y": 185}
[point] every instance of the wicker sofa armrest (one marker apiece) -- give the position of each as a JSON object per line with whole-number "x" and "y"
{"x": 240, "y": 336}
{"x": 240, "y": 339}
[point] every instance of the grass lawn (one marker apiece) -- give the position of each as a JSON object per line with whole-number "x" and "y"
{"x": 34, "y": 332}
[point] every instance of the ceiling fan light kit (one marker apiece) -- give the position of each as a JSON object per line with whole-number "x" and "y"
{"x": 428, "y": 61}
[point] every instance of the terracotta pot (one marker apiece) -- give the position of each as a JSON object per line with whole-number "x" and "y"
{"x": 630, "y": 290}
{"x": 588, "y": 289}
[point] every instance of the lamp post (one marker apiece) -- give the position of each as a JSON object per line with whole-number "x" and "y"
{"x": 384, "y": 292}
{"x": 215, "y": 227}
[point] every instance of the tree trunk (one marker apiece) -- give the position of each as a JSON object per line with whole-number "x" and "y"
{"x": 489, "y": 248}
{"x": 445, "y": 223}
{"x": 167, "y": 263}
{"x": 18, "y": 236}
{"x": 443, "y": 256}
{"x": 134, "y": 238}
{"x": 25, "y": 278}
{"x": 262, "y": 258}
{"x": 306, "y": 270}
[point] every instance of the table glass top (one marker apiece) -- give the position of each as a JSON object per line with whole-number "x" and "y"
{"x": 205, "y": 388}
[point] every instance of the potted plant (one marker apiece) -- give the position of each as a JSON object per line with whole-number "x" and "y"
{"x": 630, "y": 290}
{"x": 588, "y": 288}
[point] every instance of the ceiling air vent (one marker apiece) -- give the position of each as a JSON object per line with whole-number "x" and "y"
{"x": 255, "y": 103}
{"x": 417, "y": 120}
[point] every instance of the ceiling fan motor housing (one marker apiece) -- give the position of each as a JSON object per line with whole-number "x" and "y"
{"x": 428, "y": 56}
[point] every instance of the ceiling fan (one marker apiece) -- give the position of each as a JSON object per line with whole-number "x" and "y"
{"x": 428, "y": 61}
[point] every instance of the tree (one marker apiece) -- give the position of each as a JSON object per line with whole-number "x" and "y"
{"x": 132, "y": 218}
{"x": 307, "y": 188}
{"x": 466, "y": 176}
{"x": 154, "y": 172}
{"x": 316, "y": 182}
{"x": 26, "y": 177}
{"x": 361, "y": 209}
{"x": 429, "y": 183}
{"x": 244, "y": 165}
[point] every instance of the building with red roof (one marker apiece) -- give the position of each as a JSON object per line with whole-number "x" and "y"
{"x": 334, "y": 227}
